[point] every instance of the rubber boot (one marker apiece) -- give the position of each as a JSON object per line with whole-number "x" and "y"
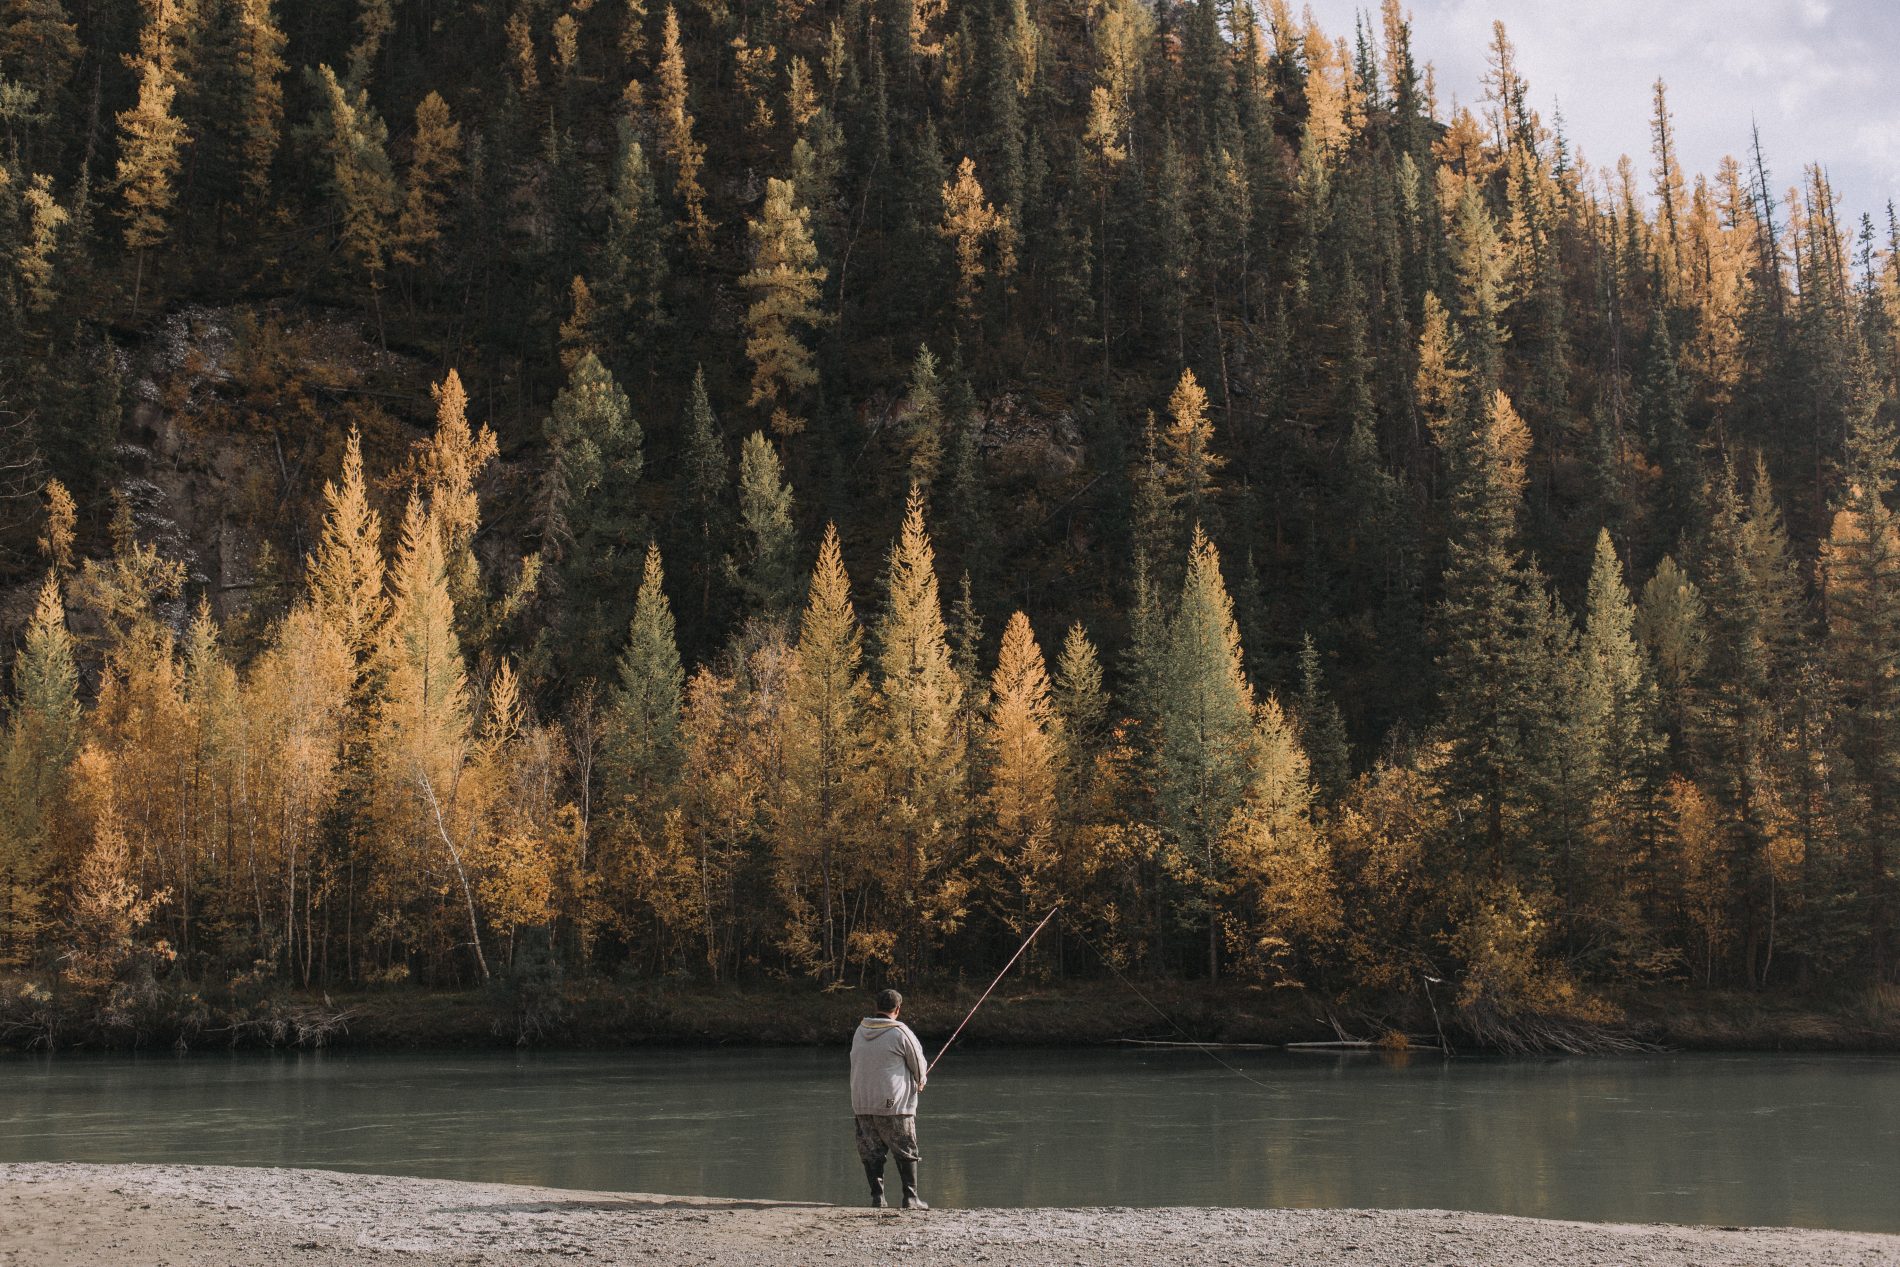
{"x": 874, "y": 1171}
{"x": 907, "y": 1171}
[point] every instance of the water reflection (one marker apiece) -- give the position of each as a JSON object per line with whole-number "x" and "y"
{"x": 1810, "y": 1141}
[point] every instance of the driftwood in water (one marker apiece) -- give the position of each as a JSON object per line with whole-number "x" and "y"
{"x": 1531, "y": 1034}
{"x": 1155, "y": 1042}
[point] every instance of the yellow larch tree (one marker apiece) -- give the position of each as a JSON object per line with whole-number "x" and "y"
{"x": 259, "y": 66}
{"x": 1290, "y": 910}
{"x": 983, "y": 237}
{"x": 422, "y": 717}
{"x": 1189, "y": 463}
{"x": 346, "y": 569}
{"x": 297, "y": 709}
{"x": 356, "y": 142}
{"x": 921, "y": 751}
{"x": 677, "y": 145}
{"x": 784, "y": 280}
{"x": 817, "y": 868}
{"x": 448, "y": 465}
{"x": 435, "y": 159}
{"x": 1023, "y": 738}
{"x": 151, "y": 144}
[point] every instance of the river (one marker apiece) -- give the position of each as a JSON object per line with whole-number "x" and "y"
{"x": 1810, "y": 1141}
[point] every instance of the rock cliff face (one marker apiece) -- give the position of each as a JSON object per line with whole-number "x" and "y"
{"x": 233, "y": 419}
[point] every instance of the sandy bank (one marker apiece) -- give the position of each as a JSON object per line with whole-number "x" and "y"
{"x": 56, "y": 1215}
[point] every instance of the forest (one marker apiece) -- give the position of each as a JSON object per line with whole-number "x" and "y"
{"x": 792, "y": 490}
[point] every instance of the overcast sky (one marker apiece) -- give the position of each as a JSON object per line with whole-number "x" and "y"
{"x": 1822, "y": 77}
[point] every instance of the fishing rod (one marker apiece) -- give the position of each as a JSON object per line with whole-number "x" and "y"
{"x": 999, "y": 978}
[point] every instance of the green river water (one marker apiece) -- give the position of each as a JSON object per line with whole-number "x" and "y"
{"x": 1786, "y": 1140}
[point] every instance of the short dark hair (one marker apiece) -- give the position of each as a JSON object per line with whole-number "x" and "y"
{"x": 889, "y": 1000}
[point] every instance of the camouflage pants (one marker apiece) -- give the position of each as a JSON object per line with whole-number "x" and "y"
{"x": 879, "y": 1133}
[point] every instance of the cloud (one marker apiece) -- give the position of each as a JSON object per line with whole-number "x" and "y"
{"x": 1816, "y": 76}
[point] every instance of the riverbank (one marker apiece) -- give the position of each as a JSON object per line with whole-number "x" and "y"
{"x": 595, "y": 1015}
{"x": 65, "y": 1215}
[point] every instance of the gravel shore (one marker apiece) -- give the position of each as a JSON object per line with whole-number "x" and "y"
{"x": 64, "y": 1215}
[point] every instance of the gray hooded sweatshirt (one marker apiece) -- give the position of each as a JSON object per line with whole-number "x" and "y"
{"x": 887, "y": 1068}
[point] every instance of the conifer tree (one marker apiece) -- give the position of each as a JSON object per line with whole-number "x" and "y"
{"x": 1861, "y": 570}
{"x": 1616, "y": 737}
{"x": 435, "y": 160}
{"x": 591, "y": 508}
{"x": 1189, "y": 461}
{"x": 346, "y": 569}
{"x": 1023, "y": 737}
{"x": 1281, "y": 861}
{"x": 33, "y": 263}
{"x": 356, "y": 144}
{"x": 923, "y": 428}
{"x": 634, "y": 255}
{"x": 686, "y": 155}
{"x": 41, "y": 736}
{"x": 1080, "y": 700}
{"x": 921, "y": 752}
{"x": 826, "y": 756}
{"x": 151, "y": 144}
{"x": 258, "y": 65}
{"x": 422, "y": 712}
{"x": 645, "y": 746}
{"x": 983, "y": 237}
{"x": 1672, "y": 623}
{"x": 451, "y": 462}
{"x": 706, "y": 495}
{"x": 1479, "y": 650}
{"x": 40, "y": 44}
{"x": 765, "y": 572}
{"x": 784, "y": 280}
{"x": 1322, "y": 729}
{"x": 1206, "y": 717}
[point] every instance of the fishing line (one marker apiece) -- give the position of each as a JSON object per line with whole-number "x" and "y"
{"x": 1156, "y": 1009}
{"x": 986, "y": 994}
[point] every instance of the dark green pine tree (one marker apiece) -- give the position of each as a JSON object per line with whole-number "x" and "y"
{"x": 1737, "y": 727}
{"x": 1861, "y": 563}
{"x": 707, "y": 523}
{"x": 1322, "y": 729}
{"x": 591, "y": 516}
{"x": 764, "y": 568}
{"x": 1480, "y": 648}
{"x": 1662, "y": 409}
{"x": 632, "y": 266}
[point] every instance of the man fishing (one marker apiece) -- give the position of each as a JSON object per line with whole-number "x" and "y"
{"x": 887, "y": 1072}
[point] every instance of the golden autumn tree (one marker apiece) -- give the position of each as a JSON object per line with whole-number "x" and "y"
{"x": 258, "y": 62}
{"x": 677, "y": 145}
{"x": 151, "y": 143}
{"x": 298, "y": 710}
{"x": 356, "y": 145}
{"x": 41, "y": 734}
{"x": 920, "y": 755}
{"x": 1189, "y": 464}
{"x": 33, "y": 262}
{"x": 346, "y": 569}
{"x": 435, "y": 159}
{"x": 107, "y": 913}
{"x": 449, "y": 464}
{"x": 817, "y": 869}
{"x": 1291, "y": 910}
{"x": 422, "y": 719}
{"x": 1023, "y": 739}
{"x": 784, "y": 280}
{"x": 983, "y": 237}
